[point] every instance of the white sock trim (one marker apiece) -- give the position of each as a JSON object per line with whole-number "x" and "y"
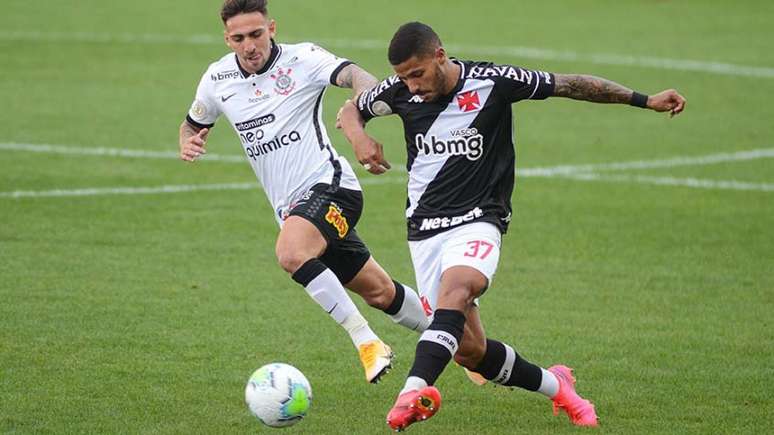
{"x": 441, "y": 337}
{"x": 507, "y": 369}
{"x": 412, "y": 313}
{"x": 413, "y": 383}
{"x": 549, "y": 385}
{"x": 357, "y": 328}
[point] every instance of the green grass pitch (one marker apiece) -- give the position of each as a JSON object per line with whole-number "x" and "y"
{"x": 146, "y": 312}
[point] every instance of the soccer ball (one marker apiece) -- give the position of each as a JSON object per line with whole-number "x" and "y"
{"x": 278, "y": 394}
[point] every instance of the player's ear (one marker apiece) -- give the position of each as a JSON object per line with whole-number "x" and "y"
{"x": 272, "y": 28}
{"x": 440, "y": 55}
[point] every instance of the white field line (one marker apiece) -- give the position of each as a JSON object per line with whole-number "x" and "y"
{"x": 112, "y": 152}
{"x": 577, "y": 172}
{"x": 697, "y": 183}
{"x": 551, "y": 171}
{"x": 671, "y": 162}
{"x": 178, "y": 188}
{"x": 97, "y": 191}
{"x": 373, "y": 44}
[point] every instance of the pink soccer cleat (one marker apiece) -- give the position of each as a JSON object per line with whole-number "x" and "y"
{"x": 413, "y": 406}
{"x": 580, "y": 410}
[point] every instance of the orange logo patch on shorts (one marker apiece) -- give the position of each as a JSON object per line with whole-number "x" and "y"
{"x": 335, "y": 218}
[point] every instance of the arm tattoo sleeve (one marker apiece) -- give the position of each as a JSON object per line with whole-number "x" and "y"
{"x": 356, "y": 78}
{"x": 590, "y": 88}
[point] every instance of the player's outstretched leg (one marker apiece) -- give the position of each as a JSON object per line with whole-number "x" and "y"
{"x": 435, "y": 349}
{"x": 397, "y": 300}
{"x": 502, "y": 365}
{"x": 324, "y": 287}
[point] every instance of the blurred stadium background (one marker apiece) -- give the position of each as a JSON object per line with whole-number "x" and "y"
{"x": 138, "y": 293}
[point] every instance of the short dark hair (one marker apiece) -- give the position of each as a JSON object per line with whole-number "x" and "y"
{"x": 232, "y": 8}
{"x": 412, "y": 39}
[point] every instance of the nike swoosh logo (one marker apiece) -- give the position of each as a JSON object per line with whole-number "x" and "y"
{"x": 334, "y": 307}
{"x": 224, "y": 99}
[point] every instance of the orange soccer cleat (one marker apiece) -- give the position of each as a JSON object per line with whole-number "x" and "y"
{"x": 413, "y": 406}
{"x": 376, "y": 358}
{"x": 580, "y": 410}
{"x": 475, "y": 377}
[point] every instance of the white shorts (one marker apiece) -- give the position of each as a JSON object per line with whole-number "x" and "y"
{"x": 476, "y": 245}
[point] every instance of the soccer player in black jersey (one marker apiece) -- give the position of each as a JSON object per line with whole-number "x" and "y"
{"x": 458, "y": 128}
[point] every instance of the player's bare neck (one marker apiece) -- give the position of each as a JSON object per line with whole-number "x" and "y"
{"x": 451, "y": 77}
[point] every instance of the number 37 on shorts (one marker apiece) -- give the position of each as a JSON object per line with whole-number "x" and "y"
{"x": 479, "y": 249}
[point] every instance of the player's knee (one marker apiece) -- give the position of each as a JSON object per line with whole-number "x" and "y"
{"x": 463, "y": 294}
{"x": 291, "y": 261}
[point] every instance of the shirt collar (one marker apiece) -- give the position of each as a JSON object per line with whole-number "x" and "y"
{"x": 273, "y": 55}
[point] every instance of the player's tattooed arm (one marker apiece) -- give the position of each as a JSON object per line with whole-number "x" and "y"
{"x": 355, "y": 78}
{"x": 590, "y": 88}
{"x": 599, "y": 90}
{"x": 192, "y": 141}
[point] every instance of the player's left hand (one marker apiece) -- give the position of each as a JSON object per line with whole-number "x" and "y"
{"x": 668, "y": 100}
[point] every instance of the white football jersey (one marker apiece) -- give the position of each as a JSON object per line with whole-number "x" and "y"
{"x": 277, "y": 114}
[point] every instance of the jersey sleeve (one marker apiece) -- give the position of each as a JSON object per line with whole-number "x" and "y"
{"x": 379, "y": 100}
{"x": 325, "y": 65}
{"x": 525, "y": 84}
{"x": 204, "y": 110}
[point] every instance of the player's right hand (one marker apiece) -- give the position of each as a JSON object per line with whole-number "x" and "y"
{"x": 669, "y": 100}
{"x": 370, "y": 154}
{"x": 193, "y": 147}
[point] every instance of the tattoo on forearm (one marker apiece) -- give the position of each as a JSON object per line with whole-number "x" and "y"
{"x": 187, "y": 130}
{"x": 590, "y": 88}
{"x": 356, "y": 78}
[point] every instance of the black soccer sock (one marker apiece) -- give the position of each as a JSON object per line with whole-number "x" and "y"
{"x": 502, "y": 365}
{"x": 438, "y": 344}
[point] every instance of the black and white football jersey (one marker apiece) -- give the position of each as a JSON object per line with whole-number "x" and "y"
{"x": 461, "y": 158}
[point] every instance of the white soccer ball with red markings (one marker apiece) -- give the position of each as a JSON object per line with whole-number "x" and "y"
{"x": 278, "y": 394}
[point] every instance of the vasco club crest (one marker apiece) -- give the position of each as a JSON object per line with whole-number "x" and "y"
{"x": 283, "y": 83}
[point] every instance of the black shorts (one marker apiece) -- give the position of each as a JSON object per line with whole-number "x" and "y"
{"x": 335, "y": 212}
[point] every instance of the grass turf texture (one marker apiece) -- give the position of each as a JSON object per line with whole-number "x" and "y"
{"x": 147, "y": 313}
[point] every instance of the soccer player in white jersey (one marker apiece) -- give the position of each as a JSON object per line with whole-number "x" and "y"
{"x": 458, "y": 121}
{"x": 272, "y": 94}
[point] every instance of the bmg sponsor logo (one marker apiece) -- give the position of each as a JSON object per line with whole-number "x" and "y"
{"x": 464, "y": 142}
{"x": 225, "y": 75}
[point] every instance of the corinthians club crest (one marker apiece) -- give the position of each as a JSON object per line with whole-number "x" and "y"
{"x": 283, "y": 83}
